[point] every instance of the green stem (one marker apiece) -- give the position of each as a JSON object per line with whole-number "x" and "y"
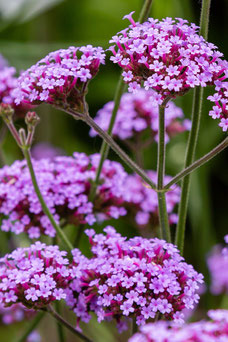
{"x": 105, "y": 147}
{"x": 67, "y": 325}
{"x": 163, "y": 215}
{"x": 204, "y": 18}
{"x": 134, "y": 326}
{"x": 145, "y": 11}
{"x": 59, "y": 326}
{"x": 79, "y": 235}
{"x": 47, "y": 212}
{"x": 128, "y": 161}
{"x": 32, "y": 326}
{"x": 207, "y": 157}
{"x": 193, "y": 138}
{"x": 190, "y": 152}
{"x": 118, "y": 93}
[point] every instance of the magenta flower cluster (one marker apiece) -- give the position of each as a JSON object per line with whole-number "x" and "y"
{"x": 220, "y": 99}
{"x": 218, "y": 266}
{"x": 34, "y": 276}
{"x": 138, "y": 112}
{"x": 170, "y": 57}
{"x": 142, "y": 203}
{"x": 136, "y": 278}
{"x": 215, "y": 330}
{"x": 65, "y": 183}
{"x": 8, "y": 82}
{"x": 61, "y": 77}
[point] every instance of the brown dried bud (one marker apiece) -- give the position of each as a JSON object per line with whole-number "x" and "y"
{"x": 6, "y": 112}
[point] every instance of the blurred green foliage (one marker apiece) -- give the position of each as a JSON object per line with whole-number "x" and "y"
{"x": 29, "y": 29}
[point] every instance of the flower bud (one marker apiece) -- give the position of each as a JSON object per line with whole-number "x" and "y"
{"x": 31, "y": 119}
{"x": 6, "y": 112}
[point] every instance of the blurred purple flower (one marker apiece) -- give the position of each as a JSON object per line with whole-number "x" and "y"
{"x": 217, "y": 262}
{"x": 215, "y": 330}
{"x": 138, "y": 113}
{"x": 136, "y": 278}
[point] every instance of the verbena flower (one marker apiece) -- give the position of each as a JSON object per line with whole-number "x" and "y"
{"x": 8, "y": 82}
{"x": 65, "y": 183}
{"x": 142, "y": 203}
{"x": 220, "y": 99}
{"x": 218, "y": 267}
{"x": 60, "y": 78}
{"x": 137, "y": 114}
{"x": 215, "y": 330}
{"x": 45, "y": 150}
{"x": 34, "y": 276}
{"x": 34, "y": 337}
{"x": 15, "y": 313}
{"x": 136, "y": 278}
{"x": 170, "y": 57}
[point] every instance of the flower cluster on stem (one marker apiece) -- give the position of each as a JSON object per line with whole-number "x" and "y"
{"x": 65, "y": 184}
{"x": 214, "y": 330}
{"x": 136, "y": 278}
{"x": 34, "y": 276}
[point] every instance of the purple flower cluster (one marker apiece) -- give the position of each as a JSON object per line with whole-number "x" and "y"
{"x": 136, "y": 278}
{"x": 142, "y": 201}
{"x": 65, "y": 183}
{"x": 138, "y": 112}
{"x": 215, "y": 330}
{"x": 218, "y": 267}
{"x": 34, "y": 276}
{"x": 8, "y": 83}
{"x": 60, "y": 78}
{"x": 170, "y": 57}
{"x": 220, "y": 99}
{"x": 45, "y": 150}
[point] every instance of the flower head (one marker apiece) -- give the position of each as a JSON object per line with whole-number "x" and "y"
{"x": 215, "y": 330}
{"x": 218, "y": 266}
{"x": 65, "y": 183}
{"x": 8, "y": 83}
{"x": 137, "y": 114}
{"x": 220, "y": 99}
{"x": 34, "y": 276}
{"x": 60, "y": 78}
{"x": 168, "y": 56}
{"x": 137, "y": 278}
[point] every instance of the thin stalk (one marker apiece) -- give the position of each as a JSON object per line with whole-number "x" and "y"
{"x": 67, "y": 325}
{"x": 190, "y": 152}
{"x": 163, "y": 215}
{"x": 145, "y": 11}
{"x": 118, "y": 93}
{"x": 193, "y": 138}
{"x": 32, "y": 326}
{"x": 105, "y": 147}
{"x": 59, "y": 325}
{"x": 79, "y": 235}
{"x": 203, "y": 160}
{"x": 134, "y": 326}
{"x": 128, "y": 161}
{"x": 47, "y": 212}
